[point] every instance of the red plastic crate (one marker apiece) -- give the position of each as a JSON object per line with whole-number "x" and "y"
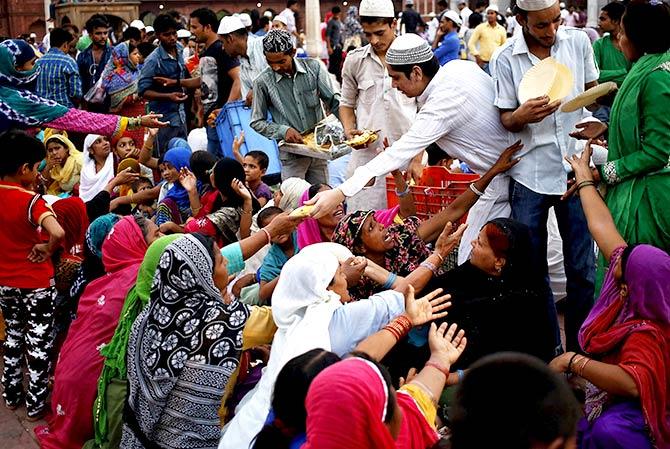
{"x": 437, "y": 189}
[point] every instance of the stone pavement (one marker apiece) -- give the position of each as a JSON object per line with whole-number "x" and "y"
{"x": 15, "y": 431}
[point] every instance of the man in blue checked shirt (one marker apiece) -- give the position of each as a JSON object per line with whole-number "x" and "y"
{"x": 59, "y": 78}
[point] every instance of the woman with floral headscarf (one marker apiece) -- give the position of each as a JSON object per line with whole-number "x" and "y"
{"x": 625, "y": 338}
{"x": 80, "y": 363}
{"x": 21, "y": 108}
{"x": 120, "y": 82}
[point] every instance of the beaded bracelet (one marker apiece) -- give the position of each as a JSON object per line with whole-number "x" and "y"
{"x": 430, "y": 266}
{"x": 403, "y": 193}
{"x": 438, "y": 367}
{"x": 390, "y": 280}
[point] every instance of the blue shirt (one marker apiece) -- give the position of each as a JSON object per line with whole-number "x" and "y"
{"x": 448, "y": 49}
{"x": 353, "y": 322}
{"x": 59, "y": 78}
{"x": 161, "y": 63}
{"x": 275, "y": 259}
{"x": 90, "y": 71}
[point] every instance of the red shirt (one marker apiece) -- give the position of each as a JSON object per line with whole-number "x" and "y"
{"x": 22, "y": 214}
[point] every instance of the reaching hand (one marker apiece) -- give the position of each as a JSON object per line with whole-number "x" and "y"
{"x": 39, "y": 253}
{"x": 427, "y": 308}
{"x": 447, "y": 240}
{"x": 507, "y": 159}
{"x": 560, "y": 364}
{"x": 187, "y": 179}
{"x": 152, "y": 133}
{"x": 351, "y": 133}
{"x": 589, "y": 130}
{"x": 446, "y": 346}
{"x": 353, "y": 269}
{"x": 415, "y": 170}
{"x": 536, "y": 109}
{"x": 151, "y": 121}
{"x": 581, "y": 165}
{"x": 241, "y": 189}
{"x": 293, "y": 136}
{"x": 237, "y": 143}
{"x": 282, "y": 224}
{"x": 325, "y": 202}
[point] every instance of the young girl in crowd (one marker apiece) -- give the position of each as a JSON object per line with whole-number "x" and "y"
{"x": 255, "y": 165}
{"x": 64, "y": 165}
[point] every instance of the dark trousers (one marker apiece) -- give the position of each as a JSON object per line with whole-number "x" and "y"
{"x": 335, "y": 63}
{"x": 532, "y": 209}
{"x": 28, "y": 317}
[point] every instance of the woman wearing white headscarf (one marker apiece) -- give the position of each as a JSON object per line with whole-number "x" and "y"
{"x": 98, "y": 167}
{"x": 308, "y": 307}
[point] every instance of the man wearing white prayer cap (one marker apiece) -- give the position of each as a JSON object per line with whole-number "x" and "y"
{"x": 369, "y": 102}
{"x": 137, "y": 24}
{"x": 459, "y": 117}
{"x": 539, "y": 180}
{"x": 239, "y": 43}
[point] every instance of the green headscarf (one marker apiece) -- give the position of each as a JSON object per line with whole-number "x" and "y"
{"x": 19, "y": 106}
{"x": 115, "y": 351}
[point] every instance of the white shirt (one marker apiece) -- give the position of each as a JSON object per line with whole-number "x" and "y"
{"x": 548, "y": 142}
{"x": 290, "y": 20}
{"x": 366, "y": 88}
{"x": 461, "y": 119}
{"x": 252, "y": 65}
{"x": 465, "y": 15}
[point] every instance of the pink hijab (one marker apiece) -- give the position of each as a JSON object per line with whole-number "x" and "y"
{"x": 309, "y": 232}
{"x": 347, "y": 406}
{"x": 80, "y": 363}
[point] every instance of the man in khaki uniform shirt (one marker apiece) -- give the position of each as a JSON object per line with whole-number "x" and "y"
{"x": 369, "y": 102}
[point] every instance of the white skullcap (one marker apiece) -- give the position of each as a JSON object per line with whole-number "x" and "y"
{"x": 268, "y": 14}
{"x": 492, "y": 8}
{"x": 229, "y": 24}
{"x": 137, "y": 24}
{"x": 561, "y": 5}
{"x": 409, "y": 2}
{"x": 453, "y": 16}
{"x": 408, "y": 49}
{"x": 376, "y": 8}
{"x": 280, "y": 18}
{"x": 535, "y": 5}
{"x": 246, "y": 19}
{"x": 149, "y": 29}
{"x": 183, "y": 34}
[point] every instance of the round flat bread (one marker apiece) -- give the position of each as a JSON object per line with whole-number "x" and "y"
{"x": 589, "y": 96}
{"x": 301, "y": 212}
{"x": 547, "y": 77}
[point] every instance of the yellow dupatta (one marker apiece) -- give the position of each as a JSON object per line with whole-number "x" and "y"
{"x": 64, "y": 178}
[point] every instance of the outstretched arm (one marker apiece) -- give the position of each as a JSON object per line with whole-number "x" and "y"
{"x": 598, "y": 217}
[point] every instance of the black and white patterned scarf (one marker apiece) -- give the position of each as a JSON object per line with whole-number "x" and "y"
{"x": 182, "y": 351}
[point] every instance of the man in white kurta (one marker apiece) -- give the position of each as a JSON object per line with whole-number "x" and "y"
{"x": 459, "y": 117}
{"x": 368, "y": 101}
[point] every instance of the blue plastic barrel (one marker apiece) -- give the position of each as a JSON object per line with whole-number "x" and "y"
{"x": 236, "y": 117}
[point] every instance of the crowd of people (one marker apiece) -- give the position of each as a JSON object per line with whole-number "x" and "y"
{"x": 160, "y": 294}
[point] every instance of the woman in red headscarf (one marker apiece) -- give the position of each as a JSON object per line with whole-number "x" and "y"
{"x": 80, "y": 363}
{"x": 352, "y": 404}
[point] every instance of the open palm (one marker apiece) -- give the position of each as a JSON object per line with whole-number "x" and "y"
{"x": 427, "y": 308}
{"x": 446, "y": 345}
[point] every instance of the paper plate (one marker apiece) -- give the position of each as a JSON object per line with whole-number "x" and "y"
{"x": 548, "y": 77}
{"x": 589, "y": 96}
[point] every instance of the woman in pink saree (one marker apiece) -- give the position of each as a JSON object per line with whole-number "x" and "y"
{"x": 79, "y": 365}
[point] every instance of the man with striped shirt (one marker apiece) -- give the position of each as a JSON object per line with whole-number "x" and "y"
{"x": 292, "y": 90}
{"x": 59, "y": 78}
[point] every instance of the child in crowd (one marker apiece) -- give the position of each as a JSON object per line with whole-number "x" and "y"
{"x": 27, "y": 288}
{"x": 146, "y": 208}
{"x": 255, "y": 165}
{"x": 283, "y": 248}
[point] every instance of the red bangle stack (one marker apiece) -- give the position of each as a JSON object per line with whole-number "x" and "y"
{"x": 399, "y": 327}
